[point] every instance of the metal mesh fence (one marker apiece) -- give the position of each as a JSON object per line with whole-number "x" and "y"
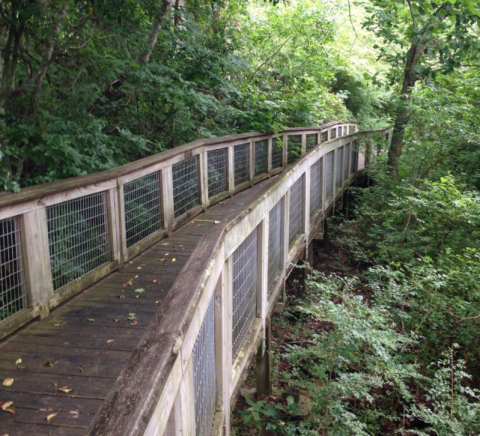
{"x": 186, "y": 190}
{"x": 261, "y": 157}
{"x": 329, "y": 177}
{"x": 333, "y": 133}
{"x": 338, "y": 169}
{"x": 346, "y": 163}
{"x": 316, "y": 186}
{"x": 294, "y": 148}
{"x": 77, "y": 237}
{"x": 204, "y": 374}
{"x": 274, "y": 242}
{"x": 325, "y": 136}
{"x": 344, "y": 130}
{"x": 277, "y": 153}
{"x": 241, "y": 163}
{"x": 351, "y": 129}
{"x": 143, "y": 212}
{"x": 354, "y": 167}
{"x": 244, "y": 290}
{"x": 13, "y": 296}
{"x": 295, "y": 210}
{"x": 312, "y": 140}
{"x": 217, "y": 171}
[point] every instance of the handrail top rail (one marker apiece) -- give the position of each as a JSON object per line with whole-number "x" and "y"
{"x": 45, "y": 189}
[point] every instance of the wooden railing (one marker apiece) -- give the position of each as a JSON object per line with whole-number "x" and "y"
{"x": 217, "y": 313}
{"x": 58, "y": 238}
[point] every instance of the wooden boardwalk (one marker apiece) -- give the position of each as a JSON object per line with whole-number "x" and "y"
{"x": 71, "y": 360}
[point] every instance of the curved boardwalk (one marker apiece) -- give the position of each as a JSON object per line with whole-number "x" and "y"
{"x": 83, "y": 345}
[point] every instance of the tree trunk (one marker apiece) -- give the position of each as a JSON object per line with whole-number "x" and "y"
{"x": 402, "y": 115}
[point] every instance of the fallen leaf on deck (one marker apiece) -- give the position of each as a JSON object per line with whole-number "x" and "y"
{"x": 11, "y": 411}
{"x": 80, "y": 368}
{"x": 65, "y": 389}
{"x": 174, "y": 260}
{"x": 90, "y": 320}
{"x": 162, "y": 260}
{"x": 85, "y": 291}
{"x": 48, "y": 363}
{"x": 154, "y": 281}
{"x": 116, "y": 319}
{"x": 134, "y": 323}
{"x": 158, "y": 301}
{"x": 6, "y": 405}
{"x": 131, "y": 316}
{"x": 75, "y": 413}
{"x": 8, "y": 381}
{"x": 58, "y": 324}
{"x": 129, "y": 283}
{"x": 121, "y": 296}
{"x": 139, "y": 267}
{"x": 110, "y": 341}
{"x": 51, "y": 416}
{"x": 18, "y": 361}
{"x": 140, "y": 290}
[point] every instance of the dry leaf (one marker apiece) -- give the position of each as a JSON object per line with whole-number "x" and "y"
{"x": 174, "y": 260}
{"x": 51, "y": 416}
{"x": 48, "y": 363}
{"x": 139, "y": 267}
{"x": 154, "y": 281}
{"x": 90, "y": 320}
{"x": 18, "y": 362}
{"x": 110, "y": 341}
{"x": 134, "y": 323}
{"x": 121, "y": 296}
{"x": 116, "y": 319}
{"x": 8, "y": 381}
{"x": 65, "y": 389}
{"x": 11, "y": 411}
{"x": 6, "y": 405}
{"x": 129, "y": 283}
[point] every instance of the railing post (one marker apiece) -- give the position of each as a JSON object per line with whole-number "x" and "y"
{"x": 285, "y": 150}
{"x": 269, "y": 154}
{"x": 113, "y": 224}
{"x": 203, "y": 178}
{"x": 262, "y": 269}
{"x": 36, "y": 255}
{"x": 304, "y": 143}
{"x": 231, "y": 169}
{"x": 252, "y": 159}
{"x": 187, "y": 401}
{"x": 306, "y": 203}
{"x": 334, "y": 171}
{"x": 167, "y": 198}
{"x": 122, "y": 222}
{"x": 324, "y": 183}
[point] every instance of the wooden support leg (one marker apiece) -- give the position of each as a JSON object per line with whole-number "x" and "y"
{"x": 264, "y": 363}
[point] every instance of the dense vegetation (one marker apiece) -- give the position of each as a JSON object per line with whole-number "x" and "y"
{"x": 386, "y": 336}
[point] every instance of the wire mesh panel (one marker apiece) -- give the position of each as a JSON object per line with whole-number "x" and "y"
{"x": 354, "y": 167}
{"x": 204, "y": 374}
{"x": 325, "y": 136}
{"x": 78, "y": 237}
{"x": 338, "y": 169}
{"x": 186, "y": 190}
{"x": 312, "y": 140}
{"x": 277, "y": 153}
{"x": 241, "y": 160}
{"x": 217, "y": 172}
{"x": 261, "y": 157}
{"x": 294, "y": 148}
{"x": 344, "y": 130}
{"x": 329, "y": 177}
{"x": 244, "y": 290}
{"x": 295, "y": 210}
{"x": 333, "y": 133}
{"x": 351, "y": 129}
{"x": 346, "y": 162}
{"x": 13, "y": 297}
{"x": 316, "y": 186}
{"x": 143, "y": 211}
{"x": 274, "y": 242}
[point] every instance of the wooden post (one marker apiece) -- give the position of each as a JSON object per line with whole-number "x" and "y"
{"x": 121, "y": 222}
{"x": 167, "y": 198}
{"x": 113, "y": 224}
{"x": 264, "y": 362}
{"x": 306, "y": 203}
{"x": 285, "y": 150}
{"x": 304, "y": 143}
{"x": 269, "y": 154}
{"x": 36, "y": 256}
{"x": 231, "y": 169}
